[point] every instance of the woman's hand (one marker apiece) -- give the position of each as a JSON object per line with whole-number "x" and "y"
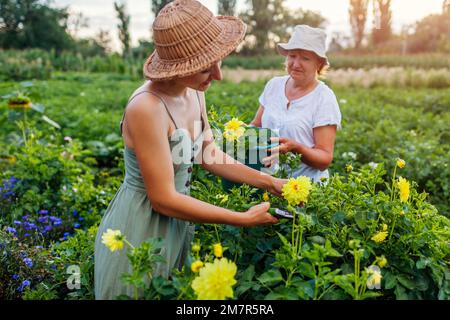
{"x": 258, "y": 215}
{"x": 285, "y": 145}
{"x": 276, "y": 185}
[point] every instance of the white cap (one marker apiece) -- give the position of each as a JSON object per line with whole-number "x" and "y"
{"x": 306, "y": 38}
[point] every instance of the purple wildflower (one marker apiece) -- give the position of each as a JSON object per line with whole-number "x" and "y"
{"x": 28, "y": 262}
{"x": 11, "y": 230}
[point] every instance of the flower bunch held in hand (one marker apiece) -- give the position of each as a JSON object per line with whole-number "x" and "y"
{"x": 234, "y": 129}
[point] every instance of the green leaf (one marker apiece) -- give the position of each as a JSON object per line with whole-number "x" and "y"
{"x": 338, "y": 217}
{"x": 38, "y": 107}
{"x": 422, "y": 283}
{"x": 317, "y": 239}
{"x": 306, "y": 269}
{"x": 400, "y": 293}
{"x": 345, "y": 282}
{"x": 51, "y": 122}
{"x": 305, "y": 289}
{"x": 270, "y": 277}
{"x": 248, "y": 274}
{"x": 371, "y": 294}
{"x": 243, "y": 287}
{"x": 423, "y": 263}
{"x": 330, "y": 251}
{"x": 406, "y": 281}
{"x": 282, "y": 293}
{"x": 284, "y": 240}
{"x": 390, "y": 280}
{"x": 361, "y": 219}
{"x": 335, "y": 294}
{"x": 163, "y": 286}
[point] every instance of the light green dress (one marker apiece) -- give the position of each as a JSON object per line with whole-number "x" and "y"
{"x": 131, "y": 212}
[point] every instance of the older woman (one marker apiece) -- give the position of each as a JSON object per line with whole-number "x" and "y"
{"x": 300, "y": 107}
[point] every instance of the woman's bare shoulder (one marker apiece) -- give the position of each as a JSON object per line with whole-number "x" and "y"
{"x": 144, "y": 104}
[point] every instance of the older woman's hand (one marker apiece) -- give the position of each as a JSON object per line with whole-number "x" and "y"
{"x": 285, "y": 145}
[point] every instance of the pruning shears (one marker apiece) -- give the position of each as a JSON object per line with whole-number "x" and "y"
{"x": 279, "y": 213}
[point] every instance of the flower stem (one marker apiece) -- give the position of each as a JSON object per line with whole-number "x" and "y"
{"x": 293, "y": 235}
{"x": 128, "y": 243}
{"x": 217, "y": 233}
{"x": 393, "y": 226}
{"x": 393, "y": 183}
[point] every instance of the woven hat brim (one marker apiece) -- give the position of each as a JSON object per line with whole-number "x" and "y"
{"x": 283, "y": 49}
{"x": 232, "y": 35}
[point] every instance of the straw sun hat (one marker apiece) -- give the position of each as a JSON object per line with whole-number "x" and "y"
{"x": 189, "y": 38}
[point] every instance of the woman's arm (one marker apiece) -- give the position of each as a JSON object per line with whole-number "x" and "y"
{"x": 148, "y": 128}
{"x": 221, "y": 164}
{"x": 319, "y": 157}
{"x": 257, "y": 121}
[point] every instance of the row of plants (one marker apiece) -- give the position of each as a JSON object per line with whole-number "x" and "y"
{"x": 40, "y": 64}
{"x": 384, "y": 77}
{"x": 390, "y": 77}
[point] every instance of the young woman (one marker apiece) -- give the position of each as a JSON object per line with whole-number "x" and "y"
{"x": 165, "y": 130}
{"x": 300, "y": 107}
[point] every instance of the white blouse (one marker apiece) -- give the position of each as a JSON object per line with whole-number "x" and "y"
{"x": 316, "y": 109}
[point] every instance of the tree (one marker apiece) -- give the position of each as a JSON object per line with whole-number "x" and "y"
{"x": 103, "y": 40}
{"x": 124, "y": 27}
{"x": 226, "y": 7}
{"x": 432, "y": 34}
{"x": 76, "y": 22}
{"x": 358, "y": 16}
{"x": 269, "y": 22}
{"x": 33, "y": 24}
{"x": 157, "y": 5}
{"x": 382, "y": 14}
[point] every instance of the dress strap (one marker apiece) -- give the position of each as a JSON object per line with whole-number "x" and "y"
{"x": 201, "y": 111}
{"x": 160, "y": 98}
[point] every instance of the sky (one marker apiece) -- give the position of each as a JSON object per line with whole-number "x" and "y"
{"x": 101, "y": 14}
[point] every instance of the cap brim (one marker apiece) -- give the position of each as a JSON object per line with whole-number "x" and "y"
{"x": 232, "y": 35}
{"x": 283, "y": 49}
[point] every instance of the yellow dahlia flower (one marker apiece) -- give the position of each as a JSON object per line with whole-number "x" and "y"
{"x": 218, "y": 250}
{"x": 380, "y": 236}
{"x": 296, "y": 190}
{"x": 113, "y": 240}
{"x": 401, "y": 163}
{"x": 381, "y": 261}
{"x": 196, "y": 248}
{"x": 196, "y": 266}
{"x": 234, "y": 129}
{"x": 215, "y": 280}
{"x": 403, "y": 186}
